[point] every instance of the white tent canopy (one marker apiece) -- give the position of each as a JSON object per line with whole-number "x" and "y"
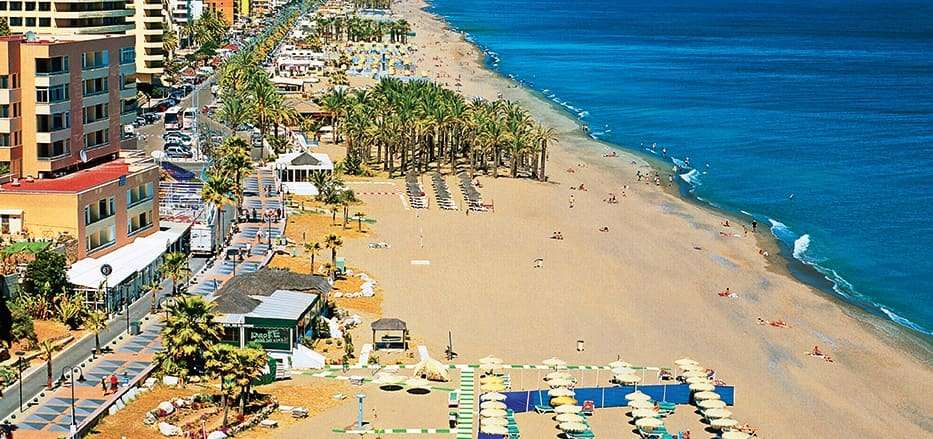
{"x": 125, "y": 261}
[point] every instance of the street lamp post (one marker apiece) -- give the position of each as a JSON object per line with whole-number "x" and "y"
{"x": 69, "y": 375}
{"x": 269, "y": 230}
{"x": 20, "y": 365}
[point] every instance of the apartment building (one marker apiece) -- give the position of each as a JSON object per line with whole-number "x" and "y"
{"x": 184, "y": 11}
{"x": 71, "y": 17}
{"x": 63, "y": 104}
{"x": 225, "y": 7}
{"x": 149, "y": 18}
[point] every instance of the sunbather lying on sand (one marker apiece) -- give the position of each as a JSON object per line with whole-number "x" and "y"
{"x": 603, "y": 229}
{"x": 745, "y": 428}
{"x": 816, "y": 352}
{"x": 727, "y": 293}
{"x": 775, "y": 323}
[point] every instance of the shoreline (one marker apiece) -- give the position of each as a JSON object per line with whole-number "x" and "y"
{"x": 911, "y": 340}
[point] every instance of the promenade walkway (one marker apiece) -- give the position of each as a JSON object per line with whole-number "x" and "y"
{"x": 130, "y": 356}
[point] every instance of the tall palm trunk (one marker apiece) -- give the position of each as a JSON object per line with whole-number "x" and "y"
{"x": 542, "y": 176}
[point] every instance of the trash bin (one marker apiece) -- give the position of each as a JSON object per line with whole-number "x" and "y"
{"x": 135, "y": 328}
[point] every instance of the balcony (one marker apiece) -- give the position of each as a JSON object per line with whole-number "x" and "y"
{"x": 128, "y": 92}
{"x": 152, "y": 44}
{"x": 152, "y": 19}
{"x": 154, "y": 56}
{"x": 53, "y": 136}
{"x": 138, "y": 202}
{"x": 108, "y": 29}
{"x": 152, "y": 31}
{"x": 51, "y": 79}
{"x": 96, "y": 99}
{"x": 128, "y": 118}
{"x": 97, "y": 125}
{"x": 51, "y": 108}
{"x": 9, "y": 95}
{"x": 95, "y": 72}
{"x": 77, "y": 15}
{"x": 9, "y": 125}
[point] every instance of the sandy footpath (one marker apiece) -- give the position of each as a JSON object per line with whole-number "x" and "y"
{"x": 645, "y": 290}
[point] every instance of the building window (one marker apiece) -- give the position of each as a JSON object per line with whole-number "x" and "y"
{"x": 30, "y": 22}
{"x": 127, "y": 55}
{"x": 53, "y": 94}
{"x": 138, "y": 194}
{"x": 4, "y": 82}
{"x": 95, "y": 60}
{"x": 45, "y": 6}
{"x": 3, "y": 6}
{"x": 45, "y": 22}
{"x": 98, "y": 86}
{"x": 138, "y": 222}
{"x": 97, "y": 138}
{"x": 95, "y": 113}
{"x": 4, "y": 111}
{"x": 16, "y": 21}
{"x": 6, "y": 139}
{"x": 15, "y": 6}
{"x": 46, "y": 123}
{"x": 101, "y": 238}
{"x": 103, "y": 209}
{"x": 52, "y": 66}
{"x": 30, "y": 6}
{"x": 55, "y": 149}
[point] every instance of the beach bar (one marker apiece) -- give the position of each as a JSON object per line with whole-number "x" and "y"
{"x": 390, "y": 341}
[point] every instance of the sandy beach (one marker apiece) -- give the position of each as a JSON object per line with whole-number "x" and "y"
{"x": 645, "y": 291}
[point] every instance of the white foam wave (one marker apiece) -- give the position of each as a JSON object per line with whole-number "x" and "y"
{"x": 801, "y": 245}
{"x": 903, "y": 321}
{"x": 692, "y": 177}
{"x": 680, "y": 163}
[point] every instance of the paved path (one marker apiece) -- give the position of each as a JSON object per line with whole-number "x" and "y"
{"x": 51, "y": 417}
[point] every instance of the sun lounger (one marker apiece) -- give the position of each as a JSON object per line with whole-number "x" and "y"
{"x": 544, "y": 409}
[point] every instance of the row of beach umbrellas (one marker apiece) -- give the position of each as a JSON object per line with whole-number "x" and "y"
{"x": 707, "y": 400}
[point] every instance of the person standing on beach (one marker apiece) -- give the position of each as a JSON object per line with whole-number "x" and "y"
{"x": 754, "y": 226}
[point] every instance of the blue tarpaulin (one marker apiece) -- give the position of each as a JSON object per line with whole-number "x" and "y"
{"x": 526, "y": 400}
{"x": 177, "y": 172}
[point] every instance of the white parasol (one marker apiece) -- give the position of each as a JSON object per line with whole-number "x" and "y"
{"x": 711, "y": 404}
{"x": 637, "y": 395}
{"x": 568, "y": 409}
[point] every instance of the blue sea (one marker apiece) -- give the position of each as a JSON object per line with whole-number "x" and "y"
{"x": 816, "y": 118}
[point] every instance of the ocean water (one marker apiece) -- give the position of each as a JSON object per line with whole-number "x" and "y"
{"x": 816, "y": 118}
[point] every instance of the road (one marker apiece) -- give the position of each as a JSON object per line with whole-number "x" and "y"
{"x": 150, "y": 136}
{"x": 79, "y": 352}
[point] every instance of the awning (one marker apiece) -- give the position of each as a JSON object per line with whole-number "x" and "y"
{"x": 125, "y": 261}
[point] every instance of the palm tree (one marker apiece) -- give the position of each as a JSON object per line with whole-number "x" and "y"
{"x": 175, "y": 266}
{"x": 96, "y": 322}
{"x": 544, "y": 135}
{"x": 312, "y": 248}
{"x": 265, "y": 99}
{"x": 235, "y": 162}
{"x": 47, "y": 351}
{"x": 234, "y": 112}
{"x": 219, "y": 361}
{"x": 216, "y": 191}
{"x": 333, "y": 242}
{"x": 189, "y": 332}
{"x": 249, "y": 364}
{"x": 169, "y": 41}
{"x": 359, "y": 220}
{"x": 154, "y": 287}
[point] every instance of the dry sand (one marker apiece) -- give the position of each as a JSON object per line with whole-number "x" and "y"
{"x": 645, "y": 290}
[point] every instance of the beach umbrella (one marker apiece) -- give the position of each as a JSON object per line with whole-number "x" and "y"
{"x": 697, "y": 380}
{"x": 623, "y": 371}
{"x": 637, "y": 395}
{"x": 701, "y": 396}
{"x": 554, "y": 363}
{"x": 644, "y": 413}
{"x": 561, "y": 391}
{"x": 492, "y": 413}
{"x": 618, "y": 363}
{"x": 685, "y": 361}
{"x": 568, "y": 409}
{"x": 648, "y": 423}
{"x": 558, "y": 376}
{"x": 562, "y": 400}
{"x": 628, "y": 379}
{"x": 702, "y": 387}
{"x": 689, "y": 367}
{"x": 491, "y": 368}
{"x": 735, "y": 435}
{"x": 432, "y": 370}
{"x": 490, "y": 360}
{"x": 490, "y": 380}
{"x": 723, "y": 423}
{"x": 694, "y": 373}
{"x": 569, "y": 417}
{"x": 711, "y": 404}
{"x": 492, "y": 396}
{"x": 717, "y": 413}
{"x": 560, "y": 383}
{"x": 640, "y": 404}
{"x": 418, "y": 383}
{"x": 494, "y": 421}
{"x": 573, "y": 427}
{"x": 492, "y": 387}
{"x": 492, "y": 405}
{"x": 494, "y": 429}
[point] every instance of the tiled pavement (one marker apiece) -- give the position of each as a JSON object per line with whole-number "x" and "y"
{"x": 51, "y": 418}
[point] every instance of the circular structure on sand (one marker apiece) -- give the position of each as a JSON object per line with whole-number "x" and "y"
{"x": 648, "y": 423}
{"x": 711, "y": 404}
{"x": 702, "y": 387}
{"x": 717, "y": 413}
{"x": 492, "y": 396}
{"x": 492, "y": 413}
{"x": 723, "y": 423}
{"x": 494, "y": 421}
{"x": 493, "y": 405}
{"x": 637, "y": 395}
{"x": 568, "y": 409}
{"x": 640, "y": 404}
{"x": 701, "y": 396}
{"x": 569, "y": 417}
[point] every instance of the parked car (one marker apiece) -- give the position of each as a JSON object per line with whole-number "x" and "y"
{"x": 152, "y": 117}
{"x": 181, "y": 137}
{"x": 177, "y": 152}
